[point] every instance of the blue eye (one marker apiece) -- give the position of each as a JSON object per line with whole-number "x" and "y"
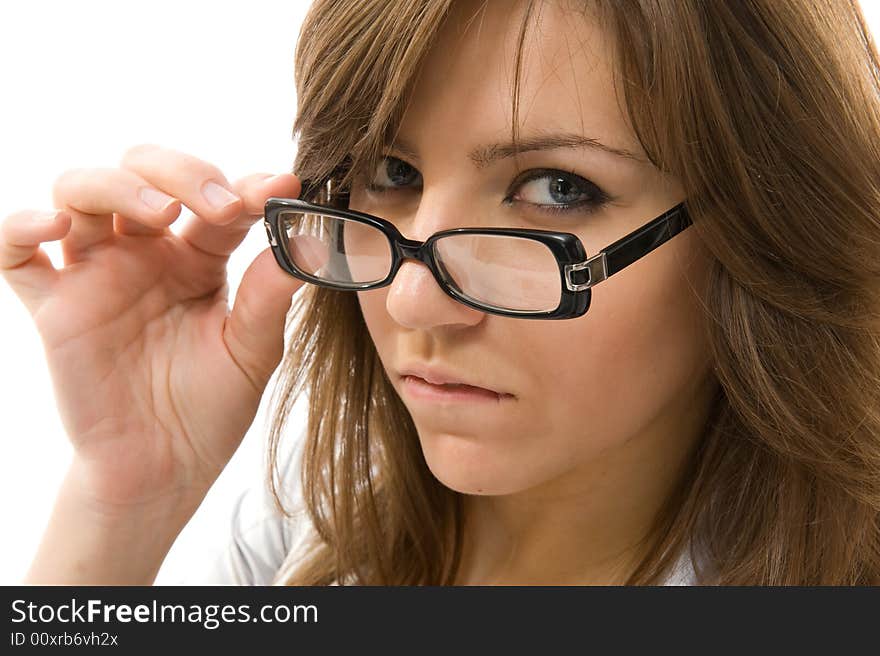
{"x": 566, "y": 191}
{"x": 570, "y": 191}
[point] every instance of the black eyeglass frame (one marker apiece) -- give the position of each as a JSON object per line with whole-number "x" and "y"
{"x": 568, "y": 249}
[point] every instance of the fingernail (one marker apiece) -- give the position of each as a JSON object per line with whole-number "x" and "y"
{"x": 217, "y": 195}
{"x": 154, "y": 199}
{"x": 45, "y": 217}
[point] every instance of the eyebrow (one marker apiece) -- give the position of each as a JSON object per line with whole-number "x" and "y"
{"x": 483, "y": 156}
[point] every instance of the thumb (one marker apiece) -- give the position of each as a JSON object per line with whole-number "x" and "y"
{"x": 254, "y": 330}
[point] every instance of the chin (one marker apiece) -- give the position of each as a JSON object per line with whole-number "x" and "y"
{"x": 469, "y": 466}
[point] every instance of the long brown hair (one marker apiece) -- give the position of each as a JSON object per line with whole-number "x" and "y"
{"x": 768, "y": 113}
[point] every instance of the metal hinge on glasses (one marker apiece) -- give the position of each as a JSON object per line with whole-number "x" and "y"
{"x": 269, "y": 233}
{"x": 597, "y": 271}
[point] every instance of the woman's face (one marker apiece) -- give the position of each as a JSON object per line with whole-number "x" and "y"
{"x": 626, "y": 382}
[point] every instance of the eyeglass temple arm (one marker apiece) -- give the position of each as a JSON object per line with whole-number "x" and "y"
{"x": 635, "y": 245}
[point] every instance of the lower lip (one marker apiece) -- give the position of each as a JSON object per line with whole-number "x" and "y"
{"x": 421, "y": 389}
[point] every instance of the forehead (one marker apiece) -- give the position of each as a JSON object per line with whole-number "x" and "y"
{"x": 464, "y": 90}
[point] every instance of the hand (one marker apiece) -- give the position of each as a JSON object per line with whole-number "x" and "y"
{"x": 155, "y": 380}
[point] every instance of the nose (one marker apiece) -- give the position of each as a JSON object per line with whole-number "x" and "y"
{"x": 416, "y": 300}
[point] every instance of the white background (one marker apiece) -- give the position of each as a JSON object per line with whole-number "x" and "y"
{"x": 81, "y": 82}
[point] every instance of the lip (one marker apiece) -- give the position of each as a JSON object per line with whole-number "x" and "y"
{"x": 440, "y": 376}
{"x": 421, "y": 390}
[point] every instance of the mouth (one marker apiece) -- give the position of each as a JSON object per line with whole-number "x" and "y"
{"x": 419, "y": 388}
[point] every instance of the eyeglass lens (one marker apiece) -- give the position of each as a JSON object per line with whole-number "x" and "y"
{"x": 505, "y": 272}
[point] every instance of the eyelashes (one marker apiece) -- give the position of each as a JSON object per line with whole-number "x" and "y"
{"x": 589, "y": 197}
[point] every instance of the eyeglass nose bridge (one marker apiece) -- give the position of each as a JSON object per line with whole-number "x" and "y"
{"x": 411, "y": 249}
{"x": 421, "y": 251}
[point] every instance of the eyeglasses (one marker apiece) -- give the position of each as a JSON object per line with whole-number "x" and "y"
{"x": 521, "y": 273}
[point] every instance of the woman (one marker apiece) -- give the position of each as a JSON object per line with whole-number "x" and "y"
{"x": 711, "y": 418}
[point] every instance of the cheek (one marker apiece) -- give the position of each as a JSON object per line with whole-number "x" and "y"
{"x": 609, "y": 374}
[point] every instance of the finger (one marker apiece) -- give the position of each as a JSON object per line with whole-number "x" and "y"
{"x": 167, "y": 207}
{"x": 124, "y": 225}
{"x": 91, "y": 196}
{"x": 159, "y": 202}
{"x": 254, "y": 190}
{"x": 23, "y": 264}
{"x": 254, "y": 330}
{"x": 199, "y": 185}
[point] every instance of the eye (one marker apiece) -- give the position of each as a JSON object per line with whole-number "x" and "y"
{"x": 554, "y": 191}
{"x": 391, "y": 173}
